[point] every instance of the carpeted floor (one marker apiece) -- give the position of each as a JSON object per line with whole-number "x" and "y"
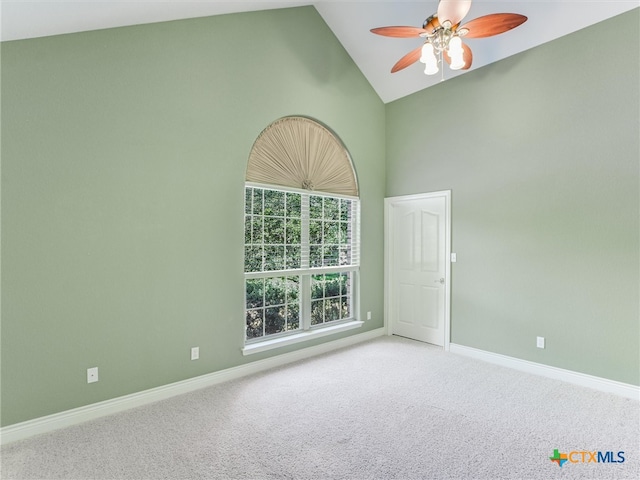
{"x": 390, "y": 408}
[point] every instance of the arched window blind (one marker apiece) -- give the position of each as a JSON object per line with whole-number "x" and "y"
{"x": 301, "y": 153}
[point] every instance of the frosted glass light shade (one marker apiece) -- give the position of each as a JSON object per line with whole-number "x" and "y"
{"x": 429, "y": 59}
{"x": 456, "y": 53}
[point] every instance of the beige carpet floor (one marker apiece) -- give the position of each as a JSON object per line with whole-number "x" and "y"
{"x": 390, "y": 408}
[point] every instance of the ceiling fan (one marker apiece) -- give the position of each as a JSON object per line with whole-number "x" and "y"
{"x": 443, "y": 35}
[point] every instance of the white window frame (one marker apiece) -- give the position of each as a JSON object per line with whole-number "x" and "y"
{"x": 307, "y": 331}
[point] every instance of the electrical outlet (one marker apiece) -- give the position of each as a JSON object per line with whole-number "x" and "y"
{"x": 540, "y": 342}
{"x": 368, "y": 315}
{"x": 92, "y": 375}
{"x": 195, "y": 353}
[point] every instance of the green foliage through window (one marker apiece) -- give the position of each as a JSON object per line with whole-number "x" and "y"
{"x": 293, "y": 234}
{"x": 273, "y": 305}
{"x": 272, "y": 230}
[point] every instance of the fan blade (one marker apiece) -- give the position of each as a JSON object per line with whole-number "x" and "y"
{"x": 399, "y": 32}
{"x": 409, "y": 59}
{"x": 468, "y": 57}
{"x": 453, "y": 10}
{"x": 492, "y": 24}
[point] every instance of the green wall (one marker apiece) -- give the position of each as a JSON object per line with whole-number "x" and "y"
{"x": 123, "y": 161}
{"x": 541, "y": 153}
{"x": 123, "y": 157}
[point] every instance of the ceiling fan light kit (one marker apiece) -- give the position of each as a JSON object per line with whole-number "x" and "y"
{"x": 443, "y": 35}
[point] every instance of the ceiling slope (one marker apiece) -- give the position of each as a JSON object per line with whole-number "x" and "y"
{"x": 350, "y": 21}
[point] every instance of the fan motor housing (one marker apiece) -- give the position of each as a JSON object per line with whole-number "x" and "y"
{"x": 431, "y": 23}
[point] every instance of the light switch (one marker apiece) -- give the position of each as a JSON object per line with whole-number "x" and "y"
{"x": 454, "y": 258}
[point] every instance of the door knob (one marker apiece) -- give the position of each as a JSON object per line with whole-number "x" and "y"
{"x": 439, "y": 281}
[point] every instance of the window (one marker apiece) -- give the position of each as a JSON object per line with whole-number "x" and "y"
{"x": 302, "y": 216}
{"x": 301, "y": 260}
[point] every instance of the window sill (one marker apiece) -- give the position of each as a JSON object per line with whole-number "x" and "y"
{"x": 299, "y": 337}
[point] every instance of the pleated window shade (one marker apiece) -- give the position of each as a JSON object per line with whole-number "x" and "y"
{"x": 300, "y": 153}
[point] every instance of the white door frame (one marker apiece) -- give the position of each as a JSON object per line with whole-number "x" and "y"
{"x": 389, "y": 219}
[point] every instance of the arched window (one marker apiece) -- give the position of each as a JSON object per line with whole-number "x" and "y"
{"x": 302, "y": 240}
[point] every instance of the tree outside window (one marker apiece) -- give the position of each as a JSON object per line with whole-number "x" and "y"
{"x": 300, "y": 260}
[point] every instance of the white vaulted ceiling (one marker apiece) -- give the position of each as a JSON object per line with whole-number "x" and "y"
{"x": 350, "y": 21}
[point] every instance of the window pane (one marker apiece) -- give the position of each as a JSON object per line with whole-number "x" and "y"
{"x": 292, "y": 259}
{"x": 274, "y": 320}
{"x": 315, "y": 232}
{"x": 317, "y": 312}
{"x": 344, "y": 283}
{"x": 293, "y": 317}
{"x": 247, "y": 199}
{"x": 344, "y": 233}
{"x": 330, "y": 232}
{"x": 315, "y": 256}
{"x": 331, "y": 256}
{"x": 344, "y": 307}
{"x": 345, "y": 256}
{"x": 257, "y": 201}
{"x": 293, "y": 205}
{"x": 254, "y": 292}
{"x": 252, "y": 259}
{"x": 332, "y": 285}
{"x": 247, "y": 229}
{"x": 317, "y": 286}
{"x": 274, "y": 291}
{"x": 345, "y": 210}
{"x": 331, "y": 208}
{"x": 256, "y": 229}
{"x": 274, "y": 203}
{"x": 293, "y": 231}
{"x": 254, "y": 323}
{"x": 274, "y": 230}
{"x": 274, "y": 258}
{"x": 315, "y": 207}
{"x": 332, "y": 309}
{"x": 293, "y": 289}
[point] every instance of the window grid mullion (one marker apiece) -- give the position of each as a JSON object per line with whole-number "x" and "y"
{"x": 322, "y": 223}
{"x": 264, "y": 307}
{"x": 262, "y": 244}
{"x": 305, "y": 302}
{"x": 305, "y": 279}
{"x": 308, "y": 271}
{"x": 324, "y": 282}
{"x": 304, "y": 231}
{"x": 285, "y": 304}
{"x": 354, "y": 233}
{"x": 284, "y": 246}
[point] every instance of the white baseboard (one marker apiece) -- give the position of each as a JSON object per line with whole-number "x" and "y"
{"x": 19, "y": 431}
{"x": 597, "y": 383}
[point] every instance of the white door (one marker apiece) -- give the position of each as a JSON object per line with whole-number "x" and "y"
{"x": 418, "y": 267}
